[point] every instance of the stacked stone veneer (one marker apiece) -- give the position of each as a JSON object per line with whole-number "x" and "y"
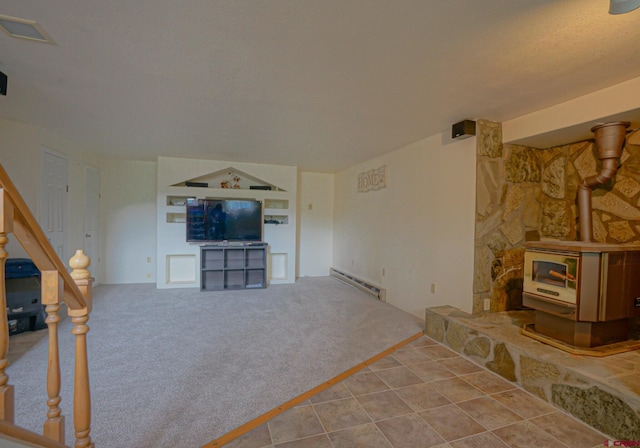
{"x": 527, "y": 194}
{"x": 604, "y": 395}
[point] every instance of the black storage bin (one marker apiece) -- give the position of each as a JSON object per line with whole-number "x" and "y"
{"x": 24, "y": 301}
{"x": 21, "y": 323}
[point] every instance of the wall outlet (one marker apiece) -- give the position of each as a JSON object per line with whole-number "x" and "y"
{"x": 148, "y": 259}
{"x": 433, "y": 288}
{"x": 383, "y": 272}
{"x": 487, "y": 304}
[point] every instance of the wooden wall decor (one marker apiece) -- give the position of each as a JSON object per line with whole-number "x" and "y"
{"x": 374, "y": 179}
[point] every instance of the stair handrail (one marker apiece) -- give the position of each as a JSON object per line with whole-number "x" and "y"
{"x": 17, "y": 434}
{"x": 75, "y": 290}
{"x": 35, "y": 243}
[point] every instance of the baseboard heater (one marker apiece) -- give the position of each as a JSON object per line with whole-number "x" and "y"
{"x": 364, "y": 285}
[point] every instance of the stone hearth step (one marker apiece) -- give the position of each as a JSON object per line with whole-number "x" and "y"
{"x": 604, "y": 392}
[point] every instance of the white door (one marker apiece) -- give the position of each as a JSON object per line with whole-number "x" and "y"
{"x": 53, "y": 203}
{"x": 92, "y": 220}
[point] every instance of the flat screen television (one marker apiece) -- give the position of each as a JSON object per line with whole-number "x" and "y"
{"x": 218, "y": 220}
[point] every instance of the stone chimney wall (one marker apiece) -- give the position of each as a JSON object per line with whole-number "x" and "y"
{"x": 528, "y": 194}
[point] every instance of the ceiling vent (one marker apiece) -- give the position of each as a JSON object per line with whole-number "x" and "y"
{"x": 24, "y": 29}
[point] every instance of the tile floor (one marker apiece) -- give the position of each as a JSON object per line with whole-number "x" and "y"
{"x": 423, "y": 395}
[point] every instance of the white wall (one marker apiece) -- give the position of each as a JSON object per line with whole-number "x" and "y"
{"x": 315, "y": 237}
{"x": 128, "y": 221}
{"x": 419, "y": 229}
{"x": 21, "y": 149}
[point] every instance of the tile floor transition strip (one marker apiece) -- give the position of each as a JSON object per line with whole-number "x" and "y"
{"x": 380, "y": 404}
{"x": 268, "y": 416}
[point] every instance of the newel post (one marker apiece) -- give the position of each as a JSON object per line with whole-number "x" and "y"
{"x": 6, "y": 391}
{"x": 82, "y": 393}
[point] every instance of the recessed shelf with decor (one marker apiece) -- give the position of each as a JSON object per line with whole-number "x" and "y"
{"x": 276, "y": 219}
{"x": 179, "y": 201}
{"x": 228, "y": 178}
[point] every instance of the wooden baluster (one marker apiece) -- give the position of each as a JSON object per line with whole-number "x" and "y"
{"x": 6, "y": 391}
{"x": 82, "y": 394}
{"x": 81, "y": 391}
{"x": 51, "y": 294}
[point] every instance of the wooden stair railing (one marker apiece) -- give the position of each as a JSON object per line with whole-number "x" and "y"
{"x": 74, "y": 288}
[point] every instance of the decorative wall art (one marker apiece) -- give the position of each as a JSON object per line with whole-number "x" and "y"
{"x": 374, "y": 179}
{"x": 234, "y": 182}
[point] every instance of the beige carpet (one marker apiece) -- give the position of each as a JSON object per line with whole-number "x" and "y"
{"x": 179, "y": 368}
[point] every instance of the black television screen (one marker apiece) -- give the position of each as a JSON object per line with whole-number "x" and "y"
{"x": 216, "y": 220}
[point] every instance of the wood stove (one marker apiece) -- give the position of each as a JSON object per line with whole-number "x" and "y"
{"x": 583, "y": 293}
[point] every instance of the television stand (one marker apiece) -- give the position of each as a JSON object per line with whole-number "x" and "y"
{"x": 225, "y": 267}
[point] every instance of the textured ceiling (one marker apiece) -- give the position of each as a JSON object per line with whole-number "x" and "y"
{"x": 321, "y": 84}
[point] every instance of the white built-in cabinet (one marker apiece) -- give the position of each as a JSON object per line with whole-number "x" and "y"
{"x": 180, "y": 263}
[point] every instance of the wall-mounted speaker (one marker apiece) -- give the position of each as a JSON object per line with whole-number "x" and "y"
{"x": 3, "y": 84}
{"x": 464, "y": 129}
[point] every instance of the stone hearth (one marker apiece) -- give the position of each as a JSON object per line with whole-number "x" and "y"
{"x": 604, "y": 392}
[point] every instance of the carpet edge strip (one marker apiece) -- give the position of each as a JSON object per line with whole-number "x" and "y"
{"x": 252, "y": 424}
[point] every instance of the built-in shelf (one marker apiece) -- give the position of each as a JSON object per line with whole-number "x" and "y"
{"x": 228, "y": 178}
{"x": 276, "y": 219}
{"x": 280, "y": 204}
{"x": 176, "y": 217}
{"x": 273, "y": 205}
{"x": 179, "y": 201}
